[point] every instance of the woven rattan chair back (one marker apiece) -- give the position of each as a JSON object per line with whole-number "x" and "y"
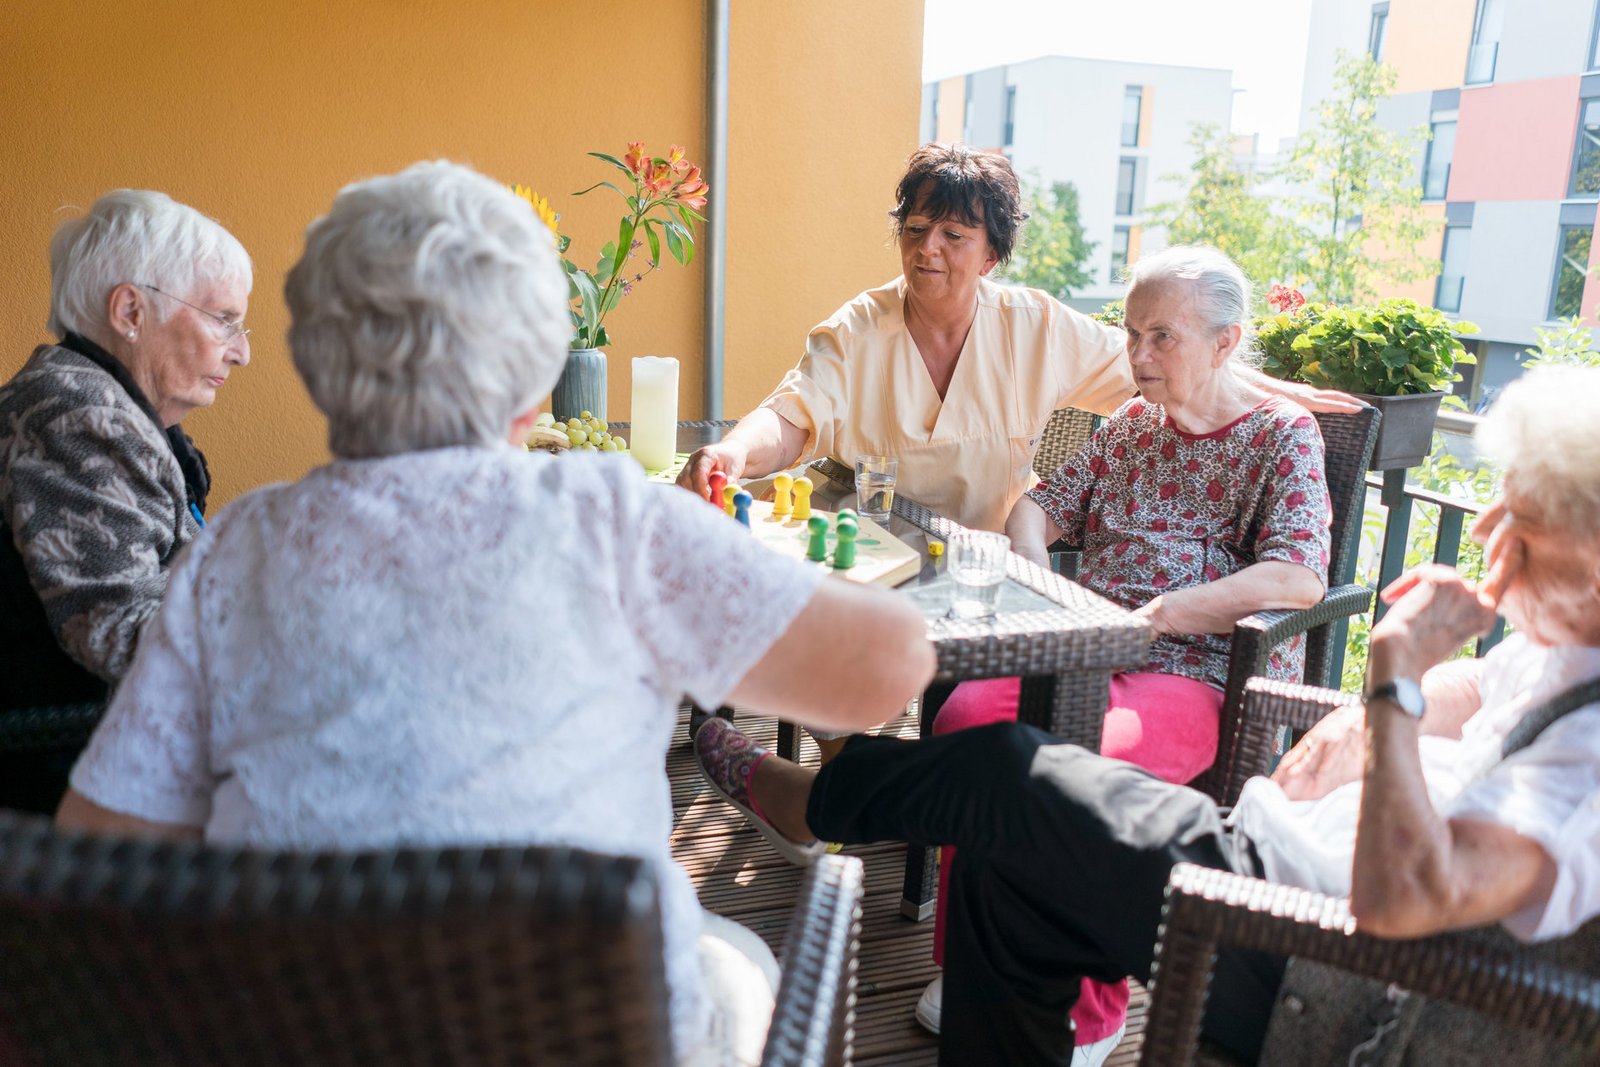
{"x": 1347, "y": 449}
{"x": 128, "y": 953}
{"x": 1063, "y": 435}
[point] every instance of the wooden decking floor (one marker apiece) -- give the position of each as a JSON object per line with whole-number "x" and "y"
{"x": 739, "y": 876}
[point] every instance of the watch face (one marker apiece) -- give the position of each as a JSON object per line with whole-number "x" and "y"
{"x": 1406, "y": 695}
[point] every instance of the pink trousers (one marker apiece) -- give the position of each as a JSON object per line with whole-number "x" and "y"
{"x": 1163, "y": 723}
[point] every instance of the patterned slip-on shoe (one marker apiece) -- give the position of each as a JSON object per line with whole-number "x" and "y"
{"x": 726, "y": 759}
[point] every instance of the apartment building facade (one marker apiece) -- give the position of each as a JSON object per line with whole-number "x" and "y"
{"x": 1117, "y": 131}
{"x": 1510, "y": 91}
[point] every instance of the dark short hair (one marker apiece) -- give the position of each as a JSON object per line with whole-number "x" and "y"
{"x": 957, "y": 181}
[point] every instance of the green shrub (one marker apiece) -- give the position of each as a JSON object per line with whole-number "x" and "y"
{"x": 1393, "y": 348}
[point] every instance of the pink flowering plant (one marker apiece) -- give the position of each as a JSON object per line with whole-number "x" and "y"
{"x": 664, "y": 196}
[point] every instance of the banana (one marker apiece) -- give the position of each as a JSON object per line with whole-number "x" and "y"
{"x": 549, "y": 439}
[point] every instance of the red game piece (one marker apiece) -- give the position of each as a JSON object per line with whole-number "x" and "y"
{"x": 717, "y": 481}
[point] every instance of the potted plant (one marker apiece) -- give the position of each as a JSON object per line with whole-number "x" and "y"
{"x": 663, "y": 196}
{"x": 1398, "y": 355}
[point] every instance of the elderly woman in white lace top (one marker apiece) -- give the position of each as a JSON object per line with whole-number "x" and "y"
{"x": 439, "y": 639}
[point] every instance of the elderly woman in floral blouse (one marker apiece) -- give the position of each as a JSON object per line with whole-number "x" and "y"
{"x": 1199, "y": 502}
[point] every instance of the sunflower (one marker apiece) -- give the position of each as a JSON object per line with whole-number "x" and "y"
{"x": 541, "y": 207}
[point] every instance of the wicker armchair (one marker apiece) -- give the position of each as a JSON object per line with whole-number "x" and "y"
{"x": 1550, "y": 991}
{"x": 1348, "y": 440}
{"x": 128, "y": 952}
{"x": 37, "y": 749}
{"x": 65, "y": 726}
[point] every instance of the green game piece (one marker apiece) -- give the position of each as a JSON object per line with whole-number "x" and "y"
{"x": 818, "y": 548}
{"x": 844, "y": 551}
{"x": 848, "y": 513}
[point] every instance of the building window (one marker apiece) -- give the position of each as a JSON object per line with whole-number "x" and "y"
{"x": 1127, "y": 176}
{"x": 1452, "y": 268}
{"x": 1119, "y": 251}
{"x": 1132, "y": 105}
{"x": 1586, "y": 154}
{"x": 1594, "y": 41}
{"x": 1441, "y": 147}
{"x": 1011, "y": 115}
{"x": 1572, "y": 269}
{"x": 1377, "y": 32}
{"x": 1486, "y": 27}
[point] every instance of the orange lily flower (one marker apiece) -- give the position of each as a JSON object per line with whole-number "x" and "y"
{"x": 660, "y": 180}
{"x": 675, "y": 159}
{"x": 635, "y": 159}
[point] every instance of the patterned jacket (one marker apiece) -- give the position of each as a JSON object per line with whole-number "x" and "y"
{"x": 94, "y": 505}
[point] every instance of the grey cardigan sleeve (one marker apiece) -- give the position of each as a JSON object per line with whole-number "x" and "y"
{"x": 97, "y": 508}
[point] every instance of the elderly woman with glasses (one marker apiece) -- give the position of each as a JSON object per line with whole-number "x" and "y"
{"x": 438, "y": 639}
{"x": 99, "y": 485}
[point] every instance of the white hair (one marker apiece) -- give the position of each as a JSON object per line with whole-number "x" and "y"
{"x": 1223, "y": 294}
{"x": 139, "y": 237}
{"x": 1544, "y": 430}
{"x": 429, "y": 309}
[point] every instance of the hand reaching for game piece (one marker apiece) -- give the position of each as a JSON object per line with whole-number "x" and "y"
{"x": 726, "y": 457}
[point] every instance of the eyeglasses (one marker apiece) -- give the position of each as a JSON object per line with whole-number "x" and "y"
{"x": 232, "y": 329}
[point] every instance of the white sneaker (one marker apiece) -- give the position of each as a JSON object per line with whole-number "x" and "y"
{"x": 931, "y": 1005}
{"x": 1094, "y": 1055}
{"x": 930, "y": 1009}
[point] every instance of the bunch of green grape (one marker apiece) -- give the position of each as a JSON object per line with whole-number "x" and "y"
{"x": 585, "y": 433}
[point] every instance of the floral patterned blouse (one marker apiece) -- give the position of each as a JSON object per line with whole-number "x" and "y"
{"x": 1157, "y": 509}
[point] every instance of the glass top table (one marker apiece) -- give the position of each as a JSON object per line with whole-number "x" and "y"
{"x": 1062, "y": 640}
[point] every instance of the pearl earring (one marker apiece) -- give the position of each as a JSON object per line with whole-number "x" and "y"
{"x": 132, "y": 334}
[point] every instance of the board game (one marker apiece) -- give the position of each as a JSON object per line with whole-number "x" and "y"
{"x": 880, "y": 556}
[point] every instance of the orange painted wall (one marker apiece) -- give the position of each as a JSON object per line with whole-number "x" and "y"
{"x": 1427, "y": 43}
{"x": 826, "y": 96}
{"x": 258, "y": 113}
{"x": 1534, "y": 123}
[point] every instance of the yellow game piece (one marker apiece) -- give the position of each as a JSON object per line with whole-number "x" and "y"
{"x": 782, "y": 498}
{"x": 935, "y": 549}
{"x": 727, "y": 497}
{"x": 802, "y": 498}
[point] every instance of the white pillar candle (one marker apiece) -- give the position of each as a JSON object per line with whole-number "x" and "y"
{"x": 654, "y": 417}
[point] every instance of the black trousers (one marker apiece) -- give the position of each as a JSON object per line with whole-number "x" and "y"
{"x": 1064, "y": 858}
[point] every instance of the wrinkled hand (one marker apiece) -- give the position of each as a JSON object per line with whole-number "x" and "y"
{"x": 1313, "y": 399}
{"x": 1156, "y": 614}
{"x": 724, "y": 456}
{"x": 1433, "y": 611}
{"x": 1331, "y": 754}
{"x": 1503, "y": 549}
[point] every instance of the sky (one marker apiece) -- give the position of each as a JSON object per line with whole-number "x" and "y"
{"x": 1262, "y": 41}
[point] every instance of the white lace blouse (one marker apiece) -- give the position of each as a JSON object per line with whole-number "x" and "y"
{"x": 462, "y": 646}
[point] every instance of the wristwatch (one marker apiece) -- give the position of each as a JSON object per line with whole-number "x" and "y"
{"x": 1404, "y": 694}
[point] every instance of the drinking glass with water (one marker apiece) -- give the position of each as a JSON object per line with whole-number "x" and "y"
{"x": 977, "y": 566}
{"x": 875, "y": 476}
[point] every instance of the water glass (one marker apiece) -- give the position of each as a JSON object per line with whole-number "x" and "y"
{"x": 875, "y": 477}
{"x": 977, "y": 566}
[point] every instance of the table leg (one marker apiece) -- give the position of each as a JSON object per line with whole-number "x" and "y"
{"x": 917, "y": 894}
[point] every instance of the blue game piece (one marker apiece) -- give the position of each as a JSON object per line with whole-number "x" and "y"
{"x": 741, "y": 506}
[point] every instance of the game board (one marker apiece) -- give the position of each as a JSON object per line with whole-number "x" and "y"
{"x": 880, "y": 556}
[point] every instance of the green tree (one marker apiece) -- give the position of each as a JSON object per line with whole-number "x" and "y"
{"x": 1570, "y": 344}
{"x": 1222, "y": 209}
{"x": 1361, "y": 217}
{"x": 1052, "y": 254}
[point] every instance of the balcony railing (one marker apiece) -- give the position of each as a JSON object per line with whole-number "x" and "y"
{"x": 1394, "y": 503}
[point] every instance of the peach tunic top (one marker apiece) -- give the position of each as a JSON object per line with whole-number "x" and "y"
{"x": 862, "y": 387}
